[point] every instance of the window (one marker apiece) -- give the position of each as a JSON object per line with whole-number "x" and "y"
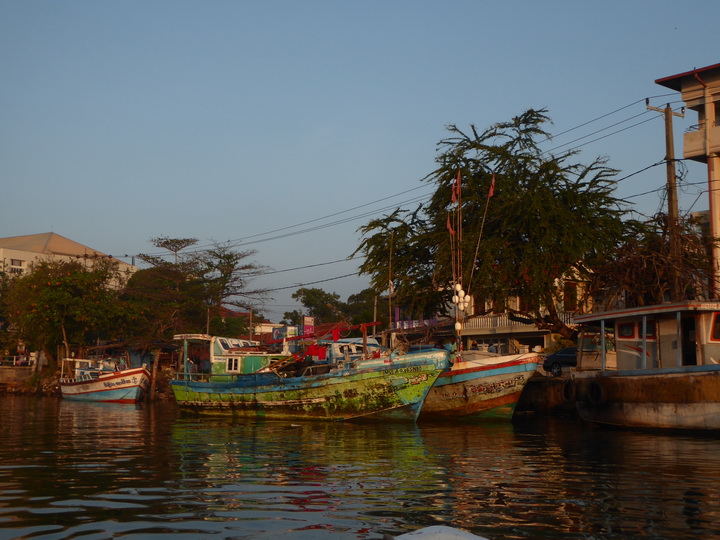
{"x": 626, "y": 330}
{"x": 649, "y": 329}
{"x": 715, "y": 332}
{"x": 233, "y": 364}
{"x": 16, "y": 262}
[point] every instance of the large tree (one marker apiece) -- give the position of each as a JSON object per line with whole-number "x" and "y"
{"x": 506, "y": 220}
{"x": 323, "y": 306}
{"x": 65, "y": 303}
{"x": 189, "y": 292}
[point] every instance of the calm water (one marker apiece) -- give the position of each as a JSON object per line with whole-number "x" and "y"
{"x": 74, "y": 470}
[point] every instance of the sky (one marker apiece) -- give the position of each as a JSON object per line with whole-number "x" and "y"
{"x": 283, "y": 126}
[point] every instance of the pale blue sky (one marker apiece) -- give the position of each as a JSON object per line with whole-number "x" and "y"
{"x": 227, "y": 120}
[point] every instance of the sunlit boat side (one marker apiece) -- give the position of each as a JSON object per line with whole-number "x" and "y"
{"x": 104, "y": 381}
{"x": 480, "y": 384}
{"x": 651, "y": 367}
{"x": 339, "y": 380}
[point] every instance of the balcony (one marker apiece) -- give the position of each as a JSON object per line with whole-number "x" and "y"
{"x": 503, "y": 323}
{"x": 694, "y": 143}
{"x": 494, "y": 324}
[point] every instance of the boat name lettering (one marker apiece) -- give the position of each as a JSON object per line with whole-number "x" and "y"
{"x": 409, "y": 369}
{"x": 495, "y": 387}
{"x": 111, "y": 384}
{"x": 488, "y": 388}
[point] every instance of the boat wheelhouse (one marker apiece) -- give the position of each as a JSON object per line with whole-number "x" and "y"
{"x": 653, "y": 367}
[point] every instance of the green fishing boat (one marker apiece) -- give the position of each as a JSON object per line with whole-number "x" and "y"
{"x": 347, "y": 379}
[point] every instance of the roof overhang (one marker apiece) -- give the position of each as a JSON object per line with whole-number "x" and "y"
{"x": 674, "y": 82}
{"x": 654, "y": 311}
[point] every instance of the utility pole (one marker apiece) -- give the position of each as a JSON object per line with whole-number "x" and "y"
{"x": 673, "y": 211}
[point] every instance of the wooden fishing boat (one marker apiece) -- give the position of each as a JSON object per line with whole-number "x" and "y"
{"x": 347, "y": 379}
{"x": 480, "y": 384}
{"x": 651, "y": 367}
{"x": 103, "y": 380}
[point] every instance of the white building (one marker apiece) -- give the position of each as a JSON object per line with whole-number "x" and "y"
{"x": 18, "y": 253}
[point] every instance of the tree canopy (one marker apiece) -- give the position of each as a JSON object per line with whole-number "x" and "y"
{"x": 363, "y": 307}
{"x": 64, "y": 303}
{"x": 190, "y": 293}
{"x": 642, "y": 270}
{"x": 69, "y": 304}
{"x": 514, "y": 219}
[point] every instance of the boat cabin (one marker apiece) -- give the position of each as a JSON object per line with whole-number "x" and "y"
{"x": 85, "y": 369}
{"x": 217, "y": 355}
{"x": 651, "y": 337}
{"x": 350, "y": 349}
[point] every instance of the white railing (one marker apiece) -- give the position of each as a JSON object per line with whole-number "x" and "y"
{"x": 14, "y": 361}
{"x": 487, "y": 322}
{"x": 418, "y": 323}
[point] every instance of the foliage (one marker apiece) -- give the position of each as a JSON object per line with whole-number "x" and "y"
{"x": 292, "y": 318}
{"x": 367, "y": 306}
{"x": 190, "y": 293}
{"x": 325, "y": 307}
{"x": 7, "y": 341}
{"x": 66, "y": 303}
{"x": 642, "y": 271}
{"x": 548, "y": 218}
{"x": 401, "y": 251}
{"x": 364, "y": 307}
{"x": 163, "y": 301}
{"x": 226, "y": 276}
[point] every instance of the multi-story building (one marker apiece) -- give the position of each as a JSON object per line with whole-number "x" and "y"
{"x": 19, "y": 253}
{"x": 700, "y": 90}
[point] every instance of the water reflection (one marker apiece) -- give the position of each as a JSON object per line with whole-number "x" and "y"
{"x": 99, "y": 470}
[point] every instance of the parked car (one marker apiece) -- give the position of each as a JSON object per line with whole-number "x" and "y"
{"x": 564, "y": 358}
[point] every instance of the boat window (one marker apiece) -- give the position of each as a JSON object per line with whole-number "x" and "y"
{"x": 233, "y": 364}
{"x": 650, "y": 330}
{"x": 224, "y": 344}
{"x": 715, "y": 336}
{"x": 626, "y": 330}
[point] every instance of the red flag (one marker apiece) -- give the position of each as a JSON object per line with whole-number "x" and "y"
{"x": 449, "y": 226}
{"x": 492, "y": 187}
{"x": 456, "y": 188}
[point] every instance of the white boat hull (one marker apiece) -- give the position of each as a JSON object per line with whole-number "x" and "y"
{"x": 125, "y": 386}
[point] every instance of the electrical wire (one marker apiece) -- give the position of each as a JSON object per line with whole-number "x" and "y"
{"x": 294, "y": 231}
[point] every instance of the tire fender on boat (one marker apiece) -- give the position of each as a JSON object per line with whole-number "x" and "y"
{"x": 569, "y": 390}
{"x": 596, "y": 393}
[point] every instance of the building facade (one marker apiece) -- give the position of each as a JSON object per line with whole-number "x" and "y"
{"x": 19, "y": 253}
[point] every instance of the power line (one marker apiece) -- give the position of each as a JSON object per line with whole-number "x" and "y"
{"x": 299, "y": 285}
{"x": 599, "y": 131}
{"x": 614, "y": 133}
{"x": 259, "y": 237}
{"x": 605, "y": 115}
{"x": 242, "y": 242}
{"x": 308, "y": 266}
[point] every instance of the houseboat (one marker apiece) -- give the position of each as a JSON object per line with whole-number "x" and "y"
{"x": 651, "y": 367}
